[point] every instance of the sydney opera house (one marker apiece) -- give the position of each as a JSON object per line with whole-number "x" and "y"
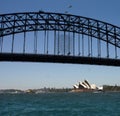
{"x": 84, "y": 86}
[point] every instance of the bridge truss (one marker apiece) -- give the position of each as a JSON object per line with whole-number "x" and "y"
{"x": 54, "y": 37}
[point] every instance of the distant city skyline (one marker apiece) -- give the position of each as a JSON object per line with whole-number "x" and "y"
{"x": 19, "y": 75}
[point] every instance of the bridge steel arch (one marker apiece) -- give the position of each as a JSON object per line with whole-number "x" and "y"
{"x": 14, "y": 23}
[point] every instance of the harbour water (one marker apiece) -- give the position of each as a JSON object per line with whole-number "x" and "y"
{"x": 60, "y": 104}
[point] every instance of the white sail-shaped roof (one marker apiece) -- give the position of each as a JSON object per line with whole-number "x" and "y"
{"x": 93, "y": 86}
{"x": 87, "y": 83}
{"x": 76, "y": 86}
{"x": 81, "y": 83}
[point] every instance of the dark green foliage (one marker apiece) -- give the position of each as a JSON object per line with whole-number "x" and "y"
{"x": 111, "y": 88}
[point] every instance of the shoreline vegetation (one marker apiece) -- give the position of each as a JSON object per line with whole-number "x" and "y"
{"x": 106, "y": 88}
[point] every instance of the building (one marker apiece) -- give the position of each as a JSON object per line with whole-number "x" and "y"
{"x": 84, "y": 86}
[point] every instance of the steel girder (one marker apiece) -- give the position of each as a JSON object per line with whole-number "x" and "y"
{"x": 40, "y": 21}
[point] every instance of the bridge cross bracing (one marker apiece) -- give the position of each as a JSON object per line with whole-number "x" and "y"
{"x": 55, "y": 36}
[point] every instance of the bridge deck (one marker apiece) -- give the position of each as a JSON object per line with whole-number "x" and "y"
{"x": 58, "y": 59}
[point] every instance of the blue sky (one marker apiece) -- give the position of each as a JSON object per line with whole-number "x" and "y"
{"x": 37, "y": 75}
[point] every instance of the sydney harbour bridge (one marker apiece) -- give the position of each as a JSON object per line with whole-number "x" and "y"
{"x": 58, "y": 38}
